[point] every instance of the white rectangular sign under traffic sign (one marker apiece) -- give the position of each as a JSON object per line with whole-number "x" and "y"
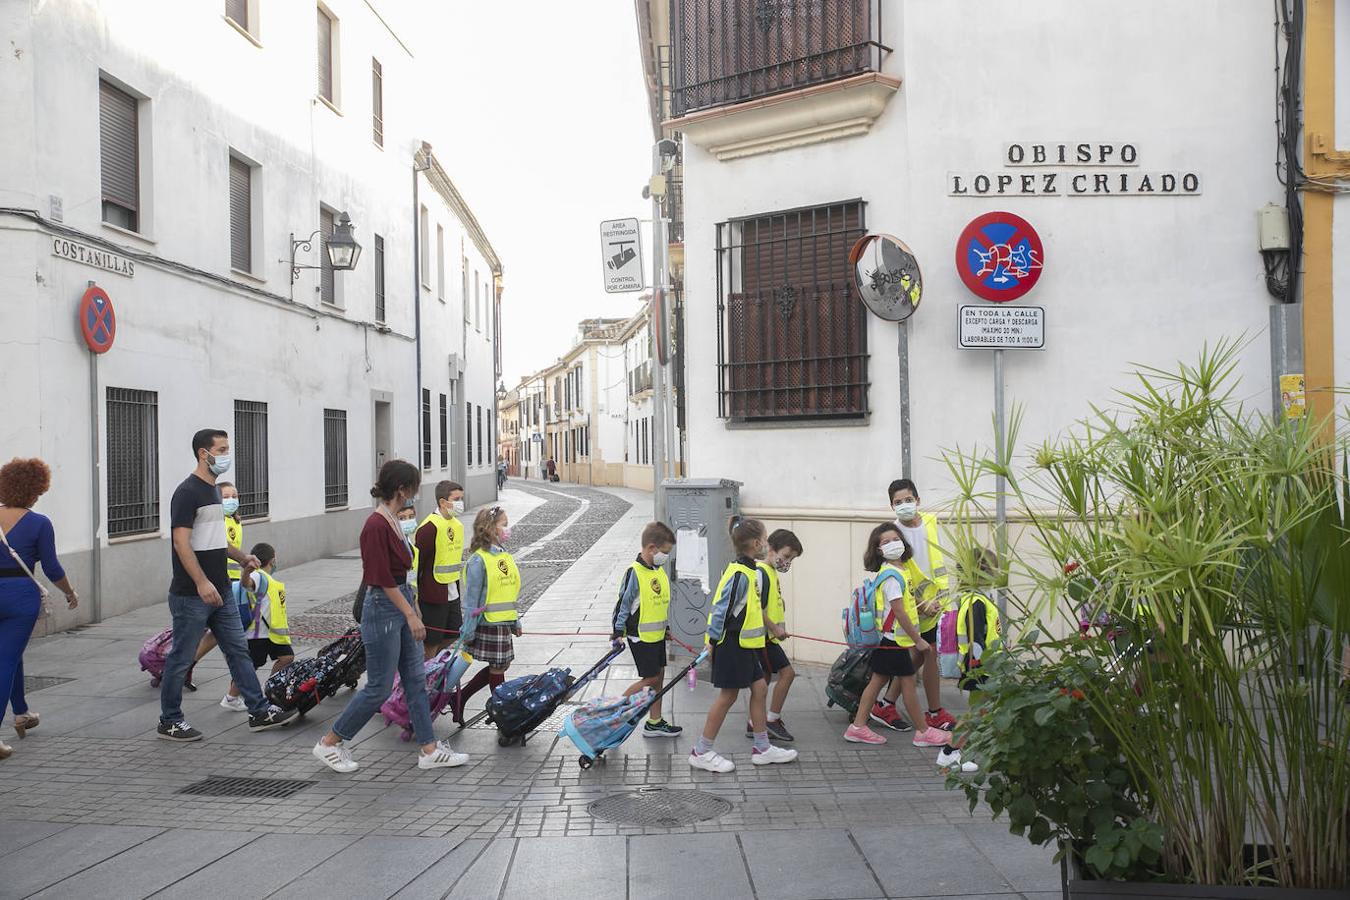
{"x": 621, "y": 253}
{"x": 1002, "y": 327}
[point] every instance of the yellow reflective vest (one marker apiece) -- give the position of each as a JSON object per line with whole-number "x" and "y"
{"x": 965, "y": 624}
{"x": 931, "y": 585}
{"x": 234, "y": 534}
{"x": 449, "y": 563}
{"x": 908, "y": 603}
{"x": 502, "y": 580}
{"x": 653, "y": 602}
{"x": 274, "y": 612}
{"x": 774, "y": 609}
{"x": 752, "y": 629}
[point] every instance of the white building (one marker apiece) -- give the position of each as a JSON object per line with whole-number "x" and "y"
{"x": 807, "y": 125}
{"x": 169, "y": 153}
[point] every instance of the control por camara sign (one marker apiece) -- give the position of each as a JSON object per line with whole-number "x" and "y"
{"x": 1073, "y": 169}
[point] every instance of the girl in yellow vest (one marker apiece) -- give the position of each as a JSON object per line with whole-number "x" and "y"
{"x": 641, "y": 615}
{"x": 977, "y": 632}
{"x": 784, "y": 547}
{"x": 736, "y": 632}
{"x": 234, "y": 535}
{"x": 491, "y": 620}
{"x": 888, "y": 551}
{"x": 268, "y": 634}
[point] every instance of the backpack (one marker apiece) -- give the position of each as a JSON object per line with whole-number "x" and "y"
{"x": 861, "y": 629}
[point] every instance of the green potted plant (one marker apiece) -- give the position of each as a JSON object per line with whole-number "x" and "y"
{"x": 1185, "y": 730}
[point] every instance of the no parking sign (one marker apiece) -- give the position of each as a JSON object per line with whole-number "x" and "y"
{"x": 98, "y": 321}
{"x": 999, "y": 256}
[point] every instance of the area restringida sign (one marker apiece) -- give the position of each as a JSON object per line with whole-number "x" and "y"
{"x": 1002, "y": 328}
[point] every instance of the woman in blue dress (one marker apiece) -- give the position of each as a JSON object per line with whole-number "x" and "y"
{"x": 32, "y": 539}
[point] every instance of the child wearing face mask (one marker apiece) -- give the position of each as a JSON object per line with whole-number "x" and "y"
{"x": 641, "y": 616}
{"x": 234, "y": 535}
{"x": 888, "y": 551}
{"x": 736, "y": 630}
{"x": 491, "y": 620}
{"x": 784, "y": 547}
{"x": 438, "y": 558}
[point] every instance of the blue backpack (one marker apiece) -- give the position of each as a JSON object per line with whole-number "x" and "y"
{"x": 862, "y": 631}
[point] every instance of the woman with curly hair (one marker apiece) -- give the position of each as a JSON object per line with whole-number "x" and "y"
{"x": 28, "y": 538}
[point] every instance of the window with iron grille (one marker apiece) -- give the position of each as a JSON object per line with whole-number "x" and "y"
{"x": 468, "y": 434}
{"x": 133, "y": 462}
{"x": 119, "y": 156}
{"x": 791, "y": 330}
{"x": 426, "y": 428}
{"x": 379, "y": 279}
{"x": 377, "y": 100}
{"x": 241, "y": 215}
{"x": 727, "y": 51}
{"x": 445, "y": 431}
{"x": 478, "y": 445}
{"x": 334, "y": 458}
{"x": 327, "y": 285}
{"x": 248, "y": 446}
{"x": 325, "y": 52}
{"x": 440, "y": 262}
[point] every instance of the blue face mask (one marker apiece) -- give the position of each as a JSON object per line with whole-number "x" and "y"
{"x": 231, "y": 505}
{"x": 409, "y": 526}
{"x": 218, "y": 465}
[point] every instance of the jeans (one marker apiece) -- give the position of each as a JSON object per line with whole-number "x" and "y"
{"x": 390, "y": 648}
{"x": 191, "y": 617}
{"x": 19, "y": 606}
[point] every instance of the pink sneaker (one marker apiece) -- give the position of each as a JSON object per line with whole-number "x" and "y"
{"x": 861, "y": 734}
{"x": 931, "y": 737}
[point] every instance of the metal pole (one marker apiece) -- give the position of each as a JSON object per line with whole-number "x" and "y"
{"x": 1286, "y": 349}
{"x": 658, "y": 371}
{"x": 1000, "y": 483}
{"x": 903, "y": 357}
{"x": 95, "y": 492}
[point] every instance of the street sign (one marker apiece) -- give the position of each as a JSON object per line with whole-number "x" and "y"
{"x": 1002, "y": 327}
{"x": 886, "y": 275}
{"x": 999, "y": 256}
{"x": 621, "y": 254}
{"x": 98, "y": 322}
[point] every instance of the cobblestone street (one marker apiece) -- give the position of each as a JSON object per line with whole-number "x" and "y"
{"x": 93, "y": 804}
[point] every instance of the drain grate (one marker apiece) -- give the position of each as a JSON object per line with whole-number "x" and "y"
{"x": 552, "y": 723}
{"x": 228, "y": 786}
{"x": 657, "y": 807}
{"x": 33, "y": 683}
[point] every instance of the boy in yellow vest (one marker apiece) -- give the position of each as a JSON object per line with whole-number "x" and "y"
{"x": 262, "y": 599}
{"x": 641, "y": 615}
{"x": 977, "y": 632}
{"x": 438, "y": 558}
{"x": 784, "y": 547}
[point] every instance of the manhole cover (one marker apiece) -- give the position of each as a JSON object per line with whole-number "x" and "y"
{"x": 33, "y": 683}
{"x": 552, "y": 723}
{"x": 226, "y": 786}
{"x": 659, "y": 808}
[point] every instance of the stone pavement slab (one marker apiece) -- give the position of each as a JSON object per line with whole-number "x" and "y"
{"x": 259, "y": 867}
{"x": 374, "y": 866}
{"x": 147, "y": 867}
{"x": 808, "y": 865}
{"x": 64, "y": 854}
{"x": 566, "y": 868}
{"x": 697, "y": 865}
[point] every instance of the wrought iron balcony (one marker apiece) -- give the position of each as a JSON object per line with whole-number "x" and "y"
{"x": 728, "y": 51}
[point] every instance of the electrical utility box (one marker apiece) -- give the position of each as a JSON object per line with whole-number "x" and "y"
{"x": 698, "y": 510}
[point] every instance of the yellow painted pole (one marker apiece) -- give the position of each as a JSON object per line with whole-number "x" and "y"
{"x": 1319, "y": 97}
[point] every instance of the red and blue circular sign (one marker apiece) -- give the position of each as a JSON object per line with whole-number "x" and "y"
{"x": 98, "y": 322}
{"x": 999, "y": 256}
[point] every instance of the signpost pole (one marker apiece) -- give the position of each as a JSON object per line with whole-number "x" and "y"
{"x": 906, "y": 459}
{"x": 658, "y": 370}
{"x": 1000, "y": 482}
{"x": 95, "y": 490}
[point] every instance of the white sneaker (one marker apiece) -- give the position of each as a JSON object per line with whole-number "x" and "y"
{"x": 236, "y": 704}
{"x": 951, "y": 759}
{"x": 441, "y": 758}
{"x": 337, "y": 757}
{"x": 774, "y": 754}
{"x": 712, "y": 761}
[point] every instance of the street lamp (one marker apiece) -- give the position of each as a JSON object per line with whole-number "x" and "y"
{"x": 341, "y": 246}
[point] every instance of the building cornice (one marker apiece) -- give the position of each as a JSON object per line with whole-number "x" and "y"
{"x": 441, "y": 183}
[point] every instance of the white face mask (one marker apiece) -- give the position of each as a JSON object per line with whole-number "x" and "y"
{"x": 893, "y": 550}
{"x": 660, "y": 558}
{"x": 906, "y": 511}
{"x": 458, "y": 506}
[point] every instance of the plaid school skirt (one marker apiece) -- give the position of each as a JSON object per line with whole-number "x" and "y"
{"x": 493, "y": 644}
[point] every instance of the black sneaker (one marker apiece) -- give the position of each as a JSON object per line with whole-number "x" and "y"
{"x": 779, "y": 730}
{"x": 661, "y": 729}
{"x": 189, "y": 686}
{"x": 178, "y": 731}
{"x": 275, "y": 717}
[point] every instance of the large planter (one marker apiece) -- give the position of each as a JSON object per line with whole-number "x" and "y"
{"x": 1078, "y": 887}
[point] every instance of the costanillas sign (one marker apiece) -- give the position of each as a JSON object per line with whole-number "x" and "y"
{"x": 1069, "y": 169}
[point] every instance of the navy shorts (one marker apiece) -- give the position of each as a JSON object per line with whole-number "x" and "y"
{"x": 262, "y": 649}
{"x": 776, "y": 659}
{"x": 891, "y": 660}
{"x": 734, "y": 666}
{"x": 650, "y": 658}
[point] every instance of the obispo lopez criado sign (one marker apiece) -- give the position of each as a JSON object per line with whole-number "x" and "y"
{"x": 1067, "y": 169}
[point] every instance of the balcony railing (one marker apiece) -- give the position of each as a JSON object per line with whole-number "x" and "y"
{"x": 727, "y": 51}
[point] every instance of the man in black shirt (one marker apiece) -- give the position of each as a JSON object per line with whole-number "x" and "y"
{"x": 200, "y": 595}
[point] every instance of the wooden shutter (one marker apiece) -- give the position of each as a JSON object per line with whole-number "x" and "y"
{"x": 379, "y": 279}
{"x": 326, "y": 226}
{"x": 118, "y": 149}
{"x": 325, "y": 56}
{"x": 238, "y": 10}
{"x": 241, "y": 215}
{"x": 377, "y": 100}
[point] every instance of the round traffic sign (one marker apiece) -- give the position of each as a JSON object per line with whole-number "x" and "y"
{"x": 886, "y": 276}
{"x": 999, "y": 256}
{"x": 98, "y": 322}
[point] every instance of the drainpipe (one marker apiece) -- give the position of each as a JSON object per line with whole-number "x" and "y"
{"x": 417, "y": 294}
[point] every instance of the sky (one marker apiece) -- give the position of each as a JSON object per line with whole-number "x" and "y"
{"x": 546, "y": 133}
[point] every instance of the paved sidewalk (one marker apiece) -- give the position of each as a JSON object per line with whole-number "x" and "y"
{"x": 91, "y": 805}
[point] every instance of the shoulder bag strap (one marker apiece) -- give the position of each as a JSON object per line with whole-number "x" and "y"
{"x": 23, "y": 565}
